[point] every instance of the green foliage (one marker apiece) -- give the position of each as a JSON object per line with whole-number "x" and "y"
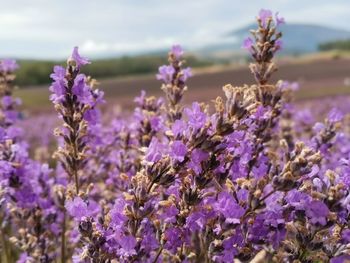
{"x": 35, "y": 72}
{"x": 335, "y": 45}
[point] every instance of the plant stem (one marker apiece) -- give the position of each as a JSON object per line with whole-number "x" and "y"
{"x": 158, "y": 254}
{"x": 4, "y": 248}
{"x": 76, "y": 182}
{"x": 63, "y": 238}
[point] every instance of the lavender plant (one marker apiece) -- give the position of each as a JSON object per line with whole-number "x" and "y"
{"x": 248, "y": 179}
{"x": 28, "y": 218}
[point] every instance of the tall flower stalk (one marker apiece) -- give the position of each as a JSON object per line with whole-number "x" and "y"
{"x": 8, "y": 115}
{"x": 174, "y": 77}
{"x": 74, "y": 100}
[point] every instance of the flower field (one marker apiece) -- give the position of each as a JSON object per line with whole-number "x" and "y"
{"x": 250, "y": 176}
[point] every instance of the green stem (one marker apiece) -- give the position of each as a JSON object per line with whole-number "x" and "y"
{"x": 63, "y": 238}
{"x": 4, "y": 247}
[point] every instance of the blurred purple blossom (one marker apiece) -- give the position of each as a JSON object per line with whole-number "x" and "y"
{"x": 185, "y": 74}
{"x": 80, "y": 61}
{"x": 77, "y": 208}
{"x": 177, "y": 51}
{"x": 279, "y": 20}
{"x": 264, "y": 15}
{"x": 197, "y": 118}
{"x": 335, "y": 115}
{"x": 178, "y": 151}
{"x": 8, "y": 65}
{"x": 248, "y": 44}
{"x": 166, "y": 73}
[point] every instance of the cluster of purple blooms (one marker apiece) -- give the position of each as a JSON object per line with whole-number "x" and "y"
{"x": 251, "y": 179}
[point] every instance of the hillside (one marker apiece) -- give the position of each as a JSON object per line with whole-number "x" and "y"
{"x": 299, "y": 38}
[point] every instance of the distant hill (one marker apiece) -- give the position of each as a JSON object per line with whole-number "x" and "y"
{"x": 299, "y": 38}
{"x": 336, "y": 45}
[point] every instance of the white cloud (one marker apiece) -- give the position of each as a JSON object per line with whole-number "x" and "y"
{"x": 51, "y": 28}
{"x": 11, "y": 19}
{"x": 150, "y": 44}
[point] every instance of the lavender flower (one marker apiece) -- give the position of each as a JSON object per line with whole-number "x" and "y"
{"x": 80, "y": 61}
{"x": 248, "y": 44}
{"x": 249, "y": 180}
{"x": 279, "y": 20}
{"x": 177, "y": 51}
{"x": 8, "y": 65}
{"x": 77, "y": 208}
{"x": 264, "y": 16}
{"x": 74, "y": 100}
{"x": 174, "y": 78}
{"x": 166, "y": 73}
{"x": 178, "y": 151}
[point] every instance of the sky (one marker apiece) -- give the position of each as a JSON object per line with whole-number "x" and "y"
{"x": 49, "y": 29}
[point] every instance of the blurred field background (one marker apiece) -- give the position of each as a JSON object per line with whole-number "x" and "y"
{"x": 316, "y": 50}
{"x": 319, "y": 75}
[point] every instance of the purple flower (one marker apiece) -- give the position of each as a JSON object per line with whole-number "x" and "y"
{"x": 298, "y": 200}
{"x": 196, "y": 221}
{"x": 229, "y": 251}
{"x": 14, "y": 132}
{"x": 7, "y": 101}
{"x": 140, "y": 100}
{"x": 58, "y": 90}
{"x": 227, "y": 206}
{"x": 26, "y": 196}
{"x": 58, "y": 74}
{"x": 341, "y": 259}
{"x": 185, "y": 74}
{"x": 317, "y": 211}
{"x": 154, "y": 153}
{"x": 25, "y": 258}
{"x": 260, "y": 169}
{"x": 173, "y": 237}
{"x": 335, "y": 115}
{"x": 346, "y": 236}
{"x": 98, "y": 96}
{"x": 127, "y": 244}
{"x": 8, "y": 65}
{"x": 156, "y": 123}
{"x": 58, "y": 87}
{"x": 197, "y": 157}
{"x": 264, "y": 15}
{"x": 166, "y": 73}
{"x": 279, "y": 44}
{"x": 77, "y": 208}
{"x": 294, "y": 86}
{"x": 248, "y": 44}
{"x": 279, "y": 20}
{"x": 2, "y": 135}
{"x": 178, "y": 151}
{"x": 92, "y": 116}
{"x": 318, "y": 126}
{"x": 177, "y": 51}
{"x": 149, "y": 240}
{"x": 268, "y": 228}
{"x": 80, "y": 61}
{"x": 197, "y": 118}
{"x": 117, "y": 216}
{"x": 82, "y": 90}
{"x": 169, "y": 214}
{"x": 5, "y": 168}
{"x": 178, "y": 127}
